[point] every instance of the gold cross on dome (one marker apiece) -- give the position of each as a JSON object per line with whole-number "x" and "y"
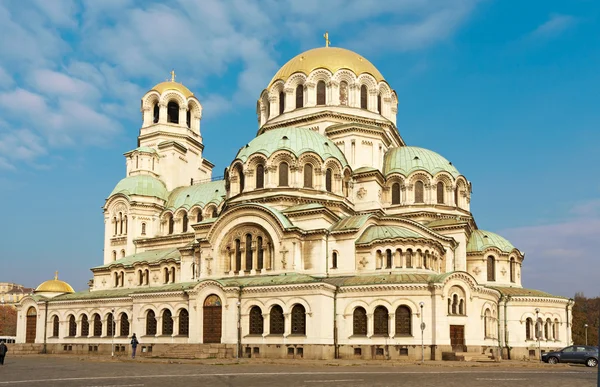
{"x": 172, "y": 75}
{"x": 56, "y": 275}
{"x": 326, "y": 36}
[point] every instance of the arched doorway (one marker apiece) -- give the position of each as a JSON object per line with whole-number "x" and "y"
{"x": 212, "y": 319}
{"x": 31, "y": 325}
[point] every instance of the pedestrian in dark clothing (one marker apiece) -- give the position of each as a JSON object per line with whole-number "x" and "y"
{"x": 3, "y": 350}
{"x": 134, "y": 344}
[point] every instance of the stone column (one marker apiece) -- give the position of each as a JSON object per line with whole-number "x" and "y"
{"x": 287, "y": 324}
{"x": 266, "y": 324}
{"x": 183, "y": 116}
{"x": 162, "y": 115}
{"x": 290, "y": 99}
{"x": 370, "y": 325}
{"x": 391, "y": 325}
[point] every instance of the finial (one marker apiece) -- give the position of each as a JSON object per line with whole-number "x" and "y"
{"x": 326, "y": 36}
{"x": 173, "y": 75}
{"x": 56, "y": 275}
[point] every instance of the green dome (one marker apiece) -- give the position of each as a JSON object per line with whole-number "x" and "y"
{"x": 375, "y": 233}
{"x": 481, "y": 240}
{"x": 143, "y": 185}
{"x": 197, "y": 194}
{"x": 295, "y": 140}
{"x": 407, "y": 159}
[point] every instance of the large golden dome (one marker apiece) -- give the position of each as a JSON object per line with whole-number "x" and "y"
{"x": 172, "y": 85}
{"x": 330, "y": 58}
{"x": 54, "y": 286}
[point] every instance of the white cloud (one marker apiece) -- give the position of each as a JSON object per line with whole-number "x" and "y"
{"x": 56, "y": 84}
{"x": 554, "y": 26}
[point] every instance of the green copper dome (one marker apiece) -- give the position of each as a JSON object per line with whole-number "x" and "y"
{"x": 295, "y": 140}
{"x": 408, "y": 159}
{"x": 143, "y": 185}
{"x": 380, "y": 233}
{"x": 481, "y": 240}
{"x": 197, "y": 194}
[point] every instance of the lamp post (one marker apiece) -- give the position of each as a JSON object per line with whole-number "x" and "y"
{"x": 585, "y": 326}
{"x": 422, "y": 304}
{"x": 538, "y": 331}
{"x": 112, "y": 323}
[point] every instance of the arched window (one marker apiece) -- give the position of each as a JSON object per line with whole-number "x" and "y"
{"x": 513, "y": 265}
{"x": 403, "y": 321}
{"x": 184, "y": 223}
{"x": 359, "y": 322}
{"x": 556, "y": 324}
{"x": 140, "y": 278}
{"x": 199, "y": 216}
{"x": 388, "y": 259}
{"x": 110, "y": 324}
{"x": 409, "y": 259}
{"x": 188, "y": 118}
{"x": 334, "y": 258}
{"x": 248, "y": 248}
{"x": 328, "y": 177}
{"x": 379, "y": 103}
{"x": 122, "y": 253}
{"x": 171, "y": 224}
{"x": 120, "y": 223}
{"x": 396, "y": 193}
{"x": 124, "y": 325}
{"x": 143, "y": 228}
{"x": 116, "y": 279}
{"x": 276, "y": 320}
{"x": 173, "y": 112}
{"x": 238, "y": 255}
{"x": 320, "y": 93}
{"x": 299, "y": 96}
{"x": 146, "y": 276}
{"x": 461, "y": 307}
{"x": 97, "y": 325}
{"x": 308, "y": 176}
{"x": 487, "y": 323}
{"x": 298, "y": 320}
{"x": 343, "y": 93}
{"x": 256, "y": 321}
{"x": 166, "y": 275}
{"x": 491, "y": 268}
{"x": 215, "y": 212}
{"x": 55, "y": 326}
{"x": 363, "y": 97}
{"x": 456, "y": 193}
{"x": 281, "y": 102}
{"x": 260, "y": 176}
{"x": 116, "y": 222}
{"x": 85, "y": 326}
{"x": 155, "y": 113}
{"x": 184, "y": 322}
{"x": 380, "y": 318}
{"x": 72, "y": 326}
{"x": 241, "y": 176}
{"x": 167, "y": 322}
{"x": 455, "y": 304}
{"x": 440, "y": 192}
{"x": 283, "y": 174}
{"x": 419, "y": 192}
{"x": 528, "y": 325}
{"x": 547, "y": 327}
{"x": 260, "y": 253}
{"x": 150, "y": 323}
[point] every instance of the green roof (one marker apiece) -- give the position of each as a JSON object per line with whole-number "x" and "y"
{"x": 295, "y": 140}
{"x": 143, "y": 185}
{"x": 197, "y": 194}
{"x": 145, "y": 149}
{"x": 117, "y": 293}
{"x": 304, "y": 207}
{"x": 447, "y": 222}
{"x": 262, "y": 280}
{"x": 378, "y": 279}
{"x": 481, "y": 240}
{"x": 350, "y": 223}
{"x": 408, "y": 159}
{"x": 522, "y": 292}
{"x": 151, "y": 256}
{"x": 375, "y": 233}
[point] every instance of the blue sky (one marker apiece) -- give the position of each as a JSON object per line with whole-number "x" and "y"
{"x": 506, "y": 90}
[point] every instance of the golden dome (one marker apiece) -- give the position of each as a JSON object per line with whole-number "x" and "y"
{"x": 172, "y": 85}
{"x": 330, "y": 58}
{"x": 54, "y": 286}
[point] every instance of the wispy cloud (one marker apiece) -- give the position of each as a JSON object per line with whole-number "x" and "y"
{"x": 554, "y": 26}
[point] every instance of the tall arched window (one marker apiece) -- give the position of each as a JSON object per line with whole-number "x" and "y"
{"x": 380, "y": 318}
{"x": 55, "y": 326}
{"x": 143, "y": 228}
{"x": 308, "y": 176}
{"x": 256, "y": 321}
{"x": 328, "y": 178}
{"x": 97, "y": 325}
{"x": 173, "y": 112}
{"x": 388, "y": 259}
{"x": 85, "y": 326}
{"x": 440, "y": 192}
{"x": 419, "y": 192}
{"x": 188, "y": 118}
{"x": 359, "y": 322}
{"x": 456, "y": 193}
{"x": 260, "y": 253}
{"x": 276, "y": 320}
{"x": 363, "y": 97}
{"x": 72, "y": 326}
{"x": 116, "y": 222}
{"x": 171, "y": 224}
{"x": 248, "y": 248}
{"x": 215, "y": 212}
{"x": 334, "y": 260}
{"x": 403, "y": 321}
{"x": 343, "y": 93}
{"x": 166, "y": 275}
{"x": 184, "y": 322}
{"x": 124, "y": 325}
{"x": 379, "y": 103}
{"x": 238, "y": 255}
{"x": 409, "y": 259}
{"x": 487, "y": 323}
{"x": 491, "y": 268}
{"x": 167, "y": 322}
{"x": 283, "y": 174}
{"x": 396, "y": 193}
{"x": 155, "y": 113}
{"x": 281, "y": 102}
{"x": 321, "y": 93}
{"x": 184, "y": 223}
{"x": 150, "y": 323}
{"x": 110, "y": 324}
{"x": 298, "y": 320}
{"x": 455, "y": 304}
{"x": 199, "y": 216}
{"x": 528, "y": 325}
{"x": 240, "y": 174}
{"x": 299, "y": 96}
{"x": 513, "y": 265}
{"x": 260, "y": 176}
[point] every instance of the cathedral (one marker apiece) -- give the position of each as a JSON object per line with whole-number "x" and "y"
{"x": 326, "y": 237}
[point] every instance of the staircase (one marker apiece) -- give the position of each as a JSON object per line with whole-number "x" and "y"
{"x": 194, "y": 351}
{"x": 472, "y": 356}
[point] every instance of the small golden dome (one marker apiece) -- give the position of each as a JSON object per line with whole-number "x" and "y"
{"x": 172, "y": 85}
{"x": 330, "y": 58}
{"x": 54, "y": 286}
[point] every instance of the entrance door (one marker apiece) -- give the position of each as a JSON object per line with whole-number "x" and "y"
{"x": 31, "y": 325}
{"x": 212, "y": 319}
{"x": 457, "y": 338}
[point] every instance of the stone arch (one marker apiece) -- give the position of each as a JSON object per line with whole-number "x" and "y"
{"x": 255, "y": 159}
{"x": 247, "y": 305}
{"x": 384, "y": 90}
{"x": 355, "y": 304}
{"x": 319, "y": 75}
{"x": 274, "y": 302}
{"x": 414, "y": 307}
{"x": 367, "y": 80}
{"x": 174, "y": 96}
{"x": 195, "y": 107}
{"x": 150, "y": 99}
{"x": 379, "y": 302}
{"x": 297, "y": 301}
{"x": 419, "y": 175}
{"x": 295, "y": 80}
{"x": 344, "y": 75}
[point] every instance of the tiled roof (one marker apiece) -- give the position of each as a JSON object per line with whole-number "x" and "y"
{"x": 350, "y": 223}
{"x": 374, "y": 233}
{"x": 522, "y": 292}
{"x": 151, "y": 256}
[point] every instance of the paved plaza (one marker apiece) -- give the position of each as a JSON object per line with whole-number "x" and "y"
{"x": 84, "y": 372}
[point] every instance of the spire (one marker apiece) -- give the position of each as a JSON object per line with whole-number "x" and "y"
{"x": 326, "y": 36}
{"x": 56, "y": 275}
{"x": 173, "y": 75}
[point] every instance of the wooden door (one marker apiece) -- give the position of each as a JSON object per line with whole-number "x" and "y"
{"x": 30, "y": 331}
{"x": 212, "y": 319}
{"x": 457, "y": 338}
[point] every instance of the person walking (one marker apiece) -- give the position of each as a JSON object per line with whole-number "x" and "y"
{"x": 3, "y": 350}
{"x": 134, "y": 344}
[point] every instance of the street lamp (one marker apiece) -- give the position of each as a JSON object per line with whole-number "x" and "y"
{"x": 585, "y": 326}
{"x": 538, "y": 331}
{"x": 112, "y": 344}
{"x": 422, "y": 304}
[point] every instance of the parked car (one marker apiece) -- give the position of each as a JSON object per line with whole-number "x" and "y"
{"x": 581, "y": 354}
